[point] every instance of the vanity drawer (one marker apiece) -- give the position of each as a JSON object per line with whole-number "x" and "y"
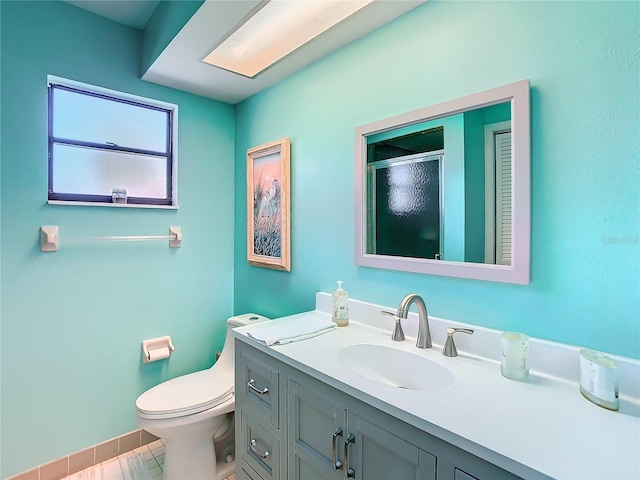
{"x": 258, "y": 448}
{"x": 245, "y": 472}
{"x": 258, "y": 388}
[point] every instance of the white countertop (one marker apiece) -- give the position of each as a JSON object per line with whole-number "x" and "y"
{"x": 541, "y": 427}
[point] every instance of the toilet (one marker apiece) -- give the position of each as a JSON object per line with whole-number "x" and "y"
{"x": 194, "y": 415}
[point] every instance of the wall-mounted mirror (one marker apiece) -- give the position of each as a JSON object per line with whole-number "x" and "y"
{"x": 445, "y": 189}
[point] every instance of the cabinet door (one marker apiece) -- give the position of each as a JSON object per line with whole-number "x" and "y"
{"x": 456, "y": 464}
{"x": 312, "y": 422}
{"x": 460, "y": 475}
{"x": 379, "y": 454}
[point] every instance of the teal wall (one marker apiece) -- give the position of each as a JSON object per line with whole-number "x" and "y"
{"x": 474, "y": 173}
{"x": 453, "y": 188}
{"x": 583, "y": 62}
{"x": 73, "y": 321}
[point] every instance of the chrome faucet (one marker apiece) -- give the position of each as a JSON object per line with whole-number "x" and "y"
{"x": 424, "y": 335}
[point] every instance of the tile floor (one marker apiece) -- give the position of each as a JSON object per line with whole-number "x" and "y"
{"x": 143, "y": 463}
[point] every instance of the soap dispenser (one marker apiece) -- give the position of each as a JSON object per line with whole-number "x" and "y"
{"x": 340, "y": 306}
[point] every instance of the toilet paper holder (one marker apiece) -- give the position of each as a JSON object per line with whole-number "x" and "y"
{"x": 156, "y": 349}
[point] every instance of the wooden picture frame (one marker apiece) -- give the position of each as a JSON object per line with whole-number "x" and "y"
{"x": 268, "y": 205}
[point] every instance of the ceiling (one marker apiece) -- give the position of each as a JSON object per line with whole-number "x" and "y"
{"x": 180, "y": 65}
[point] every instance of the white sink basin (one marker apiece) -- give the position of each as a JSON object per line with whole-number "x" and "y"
{"x": 395, "y": 368}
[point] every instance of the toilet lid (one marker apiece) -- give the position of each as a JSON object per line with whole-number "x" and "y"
{"x": 186, "y": 395}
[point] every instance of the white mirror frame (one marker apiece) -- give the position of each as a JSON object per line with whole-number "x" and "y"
{"x": 518, "y": 272}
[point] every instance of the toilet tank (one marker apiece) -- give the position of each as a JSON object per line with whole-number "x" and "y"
{"x": 226, "y": 360}
{"x": 245, "y": 319}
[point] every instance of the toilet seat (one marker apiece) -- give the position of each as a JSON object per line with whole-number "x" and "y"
{"x": 186, "y": 395}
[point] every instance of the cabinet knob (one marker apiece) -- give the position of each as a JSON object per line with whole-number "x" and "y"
{"x": 252, "y": 386}
{"x": 348, "y": 471}
{"x": 252, "y": 447}
{"x": 337, "y": 464}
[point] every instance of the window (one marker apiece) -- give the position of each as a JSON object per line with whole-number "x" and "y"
{"x": 108, "y": 147}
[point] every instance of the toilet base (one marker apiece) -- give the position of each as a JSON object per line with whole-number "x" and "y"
{"x": 225, "y": 469}
{"x": 190, "y": 451}
{"x": 184, "y": 460}
{"x": 189, "y": 458}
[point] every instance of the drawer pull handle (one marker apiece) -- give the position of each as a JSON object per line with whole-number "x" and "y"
{"x": 348, "y": 471}
{"x": 252, "y": 446}
{"x": 337, "y": 464}
{"x": 252, "y": 386}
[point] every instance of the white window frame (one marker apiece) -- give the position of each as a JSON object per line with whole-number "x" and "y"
{"x": 126, "y": 97}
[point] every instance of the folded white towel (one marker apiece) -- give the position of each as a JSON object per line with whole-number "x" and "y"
{"x": 279, "y": 333}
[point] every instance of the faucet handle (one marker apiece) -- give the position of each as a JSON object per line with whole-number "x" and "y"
{"x": 398, "y": 334}
{"x": 449, "y": 349}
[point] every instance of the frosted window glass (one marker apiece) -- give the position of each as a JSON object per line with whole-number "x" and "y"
{"x": 86, "y": 171}
{"x": 86, "y": 118}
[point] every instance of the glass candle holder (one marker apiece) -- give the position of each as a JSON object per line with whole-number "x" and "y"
{"x": 599, "y": 379}
{"x": 514, "y": 356}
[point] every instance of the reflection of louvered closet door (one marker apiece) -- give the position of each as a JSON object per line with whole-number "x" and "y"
{"x": 503, "y": 198}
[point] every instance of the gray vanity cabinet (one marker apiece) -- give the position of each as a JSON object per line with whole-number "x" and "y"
{"x": 326, "y": 440}
{"x": 290, "y": 425}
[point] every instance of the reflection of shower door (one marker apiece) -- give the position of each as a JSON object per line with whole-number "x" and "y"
{"x": 404, "y": 206}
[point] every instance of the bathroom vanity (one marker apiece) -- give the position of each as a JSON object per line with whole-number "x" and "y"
{"x": 305, "y": 411}
{"x": 296, "y": 426}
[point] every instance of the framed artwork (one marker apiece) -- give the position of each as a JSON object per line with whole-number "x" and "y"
{"x": 268, "y": 207}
